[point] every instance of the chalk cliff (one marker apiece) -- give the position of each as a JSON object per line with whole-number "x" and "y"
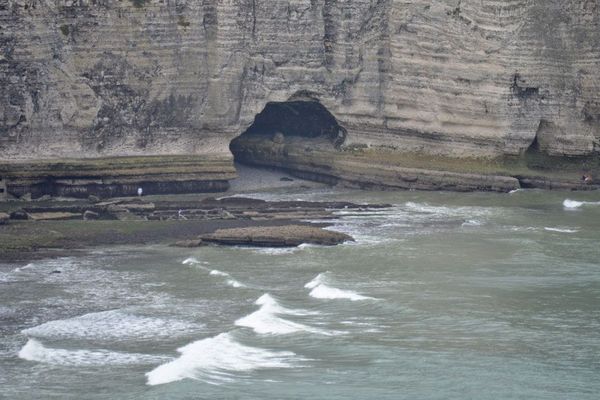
{"x": 456, "y": 79}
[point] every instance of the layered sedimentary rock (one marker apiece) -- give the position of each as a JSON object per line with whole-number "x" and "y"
{"x": 463, "y": 79}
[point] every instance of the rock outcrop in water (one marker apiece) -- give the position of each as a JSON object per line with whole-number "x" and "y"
{"x": 276, "y": 236}
{"x": 448, "y": 79}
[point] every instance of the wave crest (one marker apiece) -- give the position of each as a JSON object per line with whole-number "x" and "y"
{"x": 215, "y": 360}
{"x": 266, "y": 319}
{"x": 321, "y": 290}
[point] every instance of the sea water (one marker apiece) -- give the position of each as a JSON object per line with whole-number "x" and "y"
{"x": 442, "y": 296}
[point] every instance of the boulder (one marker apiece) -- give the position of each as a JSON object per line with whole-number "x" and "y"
{"x": 90, "y": 215}
{"x": 19, "y": 215}
{"x": 276, "y": 236}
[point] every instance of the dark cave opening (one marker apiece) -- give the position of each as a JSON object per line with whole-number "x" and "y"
{"x": 280, "y": 122}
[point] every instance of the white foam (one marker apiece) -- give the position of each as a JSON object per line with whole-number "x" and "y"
{"x": 574, "y": 204}
{"x": 444, "y": 212}
{"x": 275, "y": 251}
{"x": 472, "y": 222}
{"x": 111, "y": 325}
{"x": 266, "y": 321}
{"x": 561, "y": 230}
{"x": 235, "y": 284}
{"x": 6, "y": 277}
{"x": 231, "y": 282}
{"x": 321, "y": 290}
{"x": 35, "y": 351}
{"x": 19, "y": 269}
{"x": 193, "y": 261}
{"x": 216, "y": 272}
{"x": 216, "y": 360}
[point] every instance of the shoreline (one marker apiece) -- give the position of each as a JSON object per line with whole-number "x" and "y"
{"x": 57, "y": 227}
{"x": 50, "y": 228}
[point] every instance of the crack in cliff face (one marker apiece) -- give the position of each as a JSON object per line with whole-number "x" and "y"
{"x": 253, "y": 19}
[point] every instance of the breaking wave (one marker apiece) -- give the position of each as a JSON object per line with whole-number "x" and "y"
{"x": 321, "y": 290}
{"x": 235, "y": 284}
{"x": 230, "y": 281}
{"x": 574, "y": 204}
{"x": 193, "y": 261}
{"x": 266, "y": 319}
{"x": 215, "y": 360}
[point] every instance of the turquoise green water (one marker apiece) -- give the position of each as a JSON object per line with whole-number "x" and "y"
{"x": 443, "y": 296}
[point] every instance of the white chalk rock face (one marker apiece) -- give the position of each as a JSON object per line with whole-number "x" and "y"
{"x": 463, "y": 78}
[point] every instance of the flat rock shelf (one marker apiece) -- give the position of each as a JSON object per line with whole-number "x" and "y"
{"x": 276, "y": 236}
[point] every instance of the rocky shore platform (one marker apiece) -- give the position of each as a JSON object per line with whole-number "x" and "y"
{"x": 39, "y": 229}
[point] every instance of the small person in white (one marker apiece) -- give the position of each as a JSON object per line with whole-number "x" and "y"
{"x": 140, "y": 191}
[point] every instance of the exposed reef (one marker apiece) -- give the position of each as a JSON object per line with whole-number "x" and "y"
{"x": 30, "y": 229}
{"x": 457, "y": 80}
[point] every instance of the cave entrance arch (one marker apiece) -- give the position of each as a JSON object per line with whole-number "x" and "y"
{"x": 282, "y": 123}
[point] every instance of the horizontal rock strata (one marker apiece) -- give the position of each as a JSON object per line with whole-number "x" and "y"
{"x": 464, "y": 79}
{"x": 117, "y": 176}
{"x": 318, "y": 160}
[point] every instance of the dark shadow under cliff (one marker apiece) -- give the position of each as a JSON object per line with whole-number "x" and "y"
{"x": 308, "y": 120}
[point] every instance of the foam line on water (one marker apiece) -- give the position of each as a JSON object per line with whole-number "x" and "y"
{"x": 472, "y": 223}
{"x": 574, "y": 204}
{"x": 23, "y": 268}
{"x": 193, "y": 261}
{"x": 235, "y": 284}
{"x": 561, "y": 230}
{"x": 111, "y": 325}
{"x": 216, "y": 360}
{"x": 230, "y": 281}
{"x": 266, "y": 320}
{"x": 274, "y": 251}
{"x": 36, "y": 351}
{"x": 322, "y": 290}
